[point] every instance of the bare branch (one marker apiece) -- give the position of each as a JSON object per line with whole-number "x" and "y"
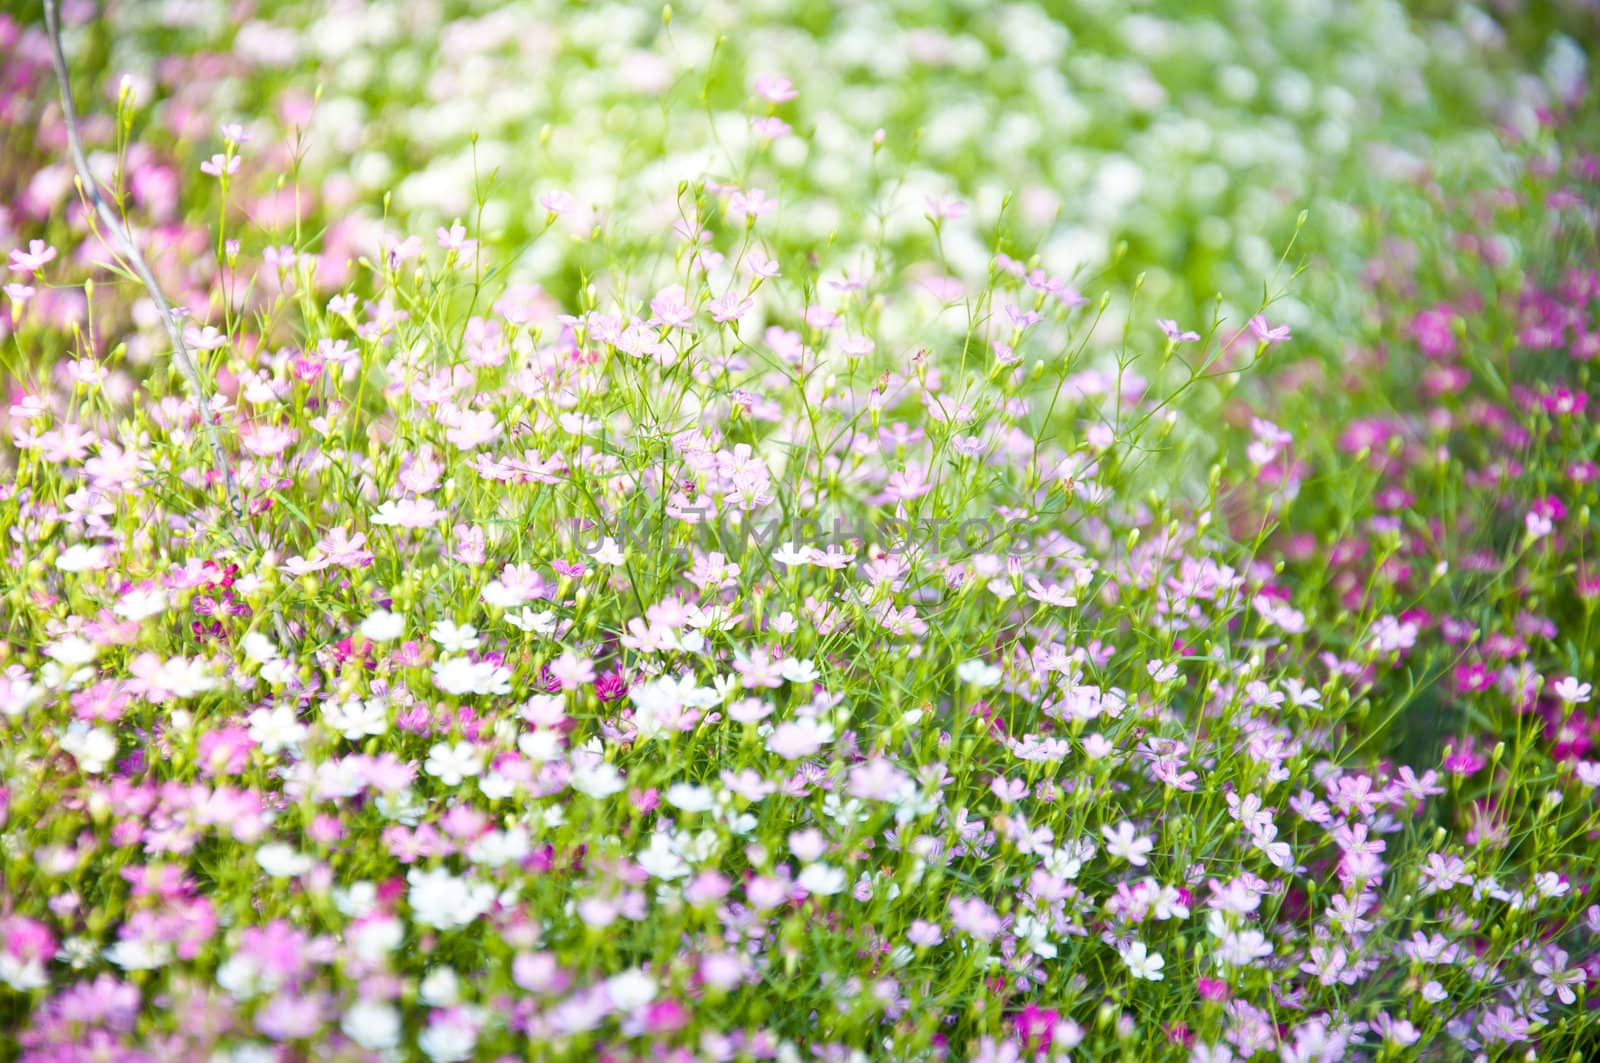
{"x": 122, "y": 232}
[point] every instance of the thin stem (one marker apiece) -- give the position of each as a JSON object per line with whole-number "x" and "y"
{"x": 123, "y": 234}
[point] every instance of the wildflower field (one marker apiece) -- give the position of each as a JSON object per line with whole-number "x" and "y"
{"x": 801, "y": 531}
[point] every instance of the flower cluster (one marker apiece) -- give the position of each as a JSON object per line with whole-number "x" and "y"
{"x": 1267, "y": 731}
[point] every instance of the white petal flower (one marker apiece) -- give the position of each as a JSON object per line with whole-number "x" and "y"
{"x": 383, "y": 626}
{"x": 276, "y": 729}
{"x": 92, "y": 747}
{"x": 631, "y": 990}
{"x": 978, "y": 673}
{"x": 822, "y": 879}
{"x": 444, "y": 902}
{"x": 451, "y": 763}
{"x": 139, "y": 605}
{"x": 81, "y": 558}
{"x": 691, "y": 798}
{"x": 282, "y": 861}
{"x": 372, "y": 1024}
{"x": 1142, "y": 963}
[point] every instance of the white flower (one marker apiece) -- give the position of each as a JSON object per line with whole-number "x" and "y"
{"x": 1142, "y": 963}
{"x": 661, "y": 860}
{"x": 631, "y": 989}
{"x": 1571, "y": 691}
{"x": 452, "y": 763}
{"x": 454, "y": 639}
{"x": 76, "y": 952}
{"x": 383, "y": 626}
{"x": 822, "y": 879}
{"x": 372, "y": 1024}
{"x": 652, "y": 700}
{"x": 139, "y": 954}
{"x": 609, "y": 553}
{"x": 598, "y": 779}
{"x": 81, "y": 558}
{"x": 440, "y": 988}
{"x": 281, "y": 861}
{"x": 789, "y": 555}
{"x": 18, "y": 694}
{"x": 139, "y": 605}
{"x": 1034, "y": 933}
{"x": 444, "y": 902}
{"x": 240, "y": 976}
{"x": 277, "y": 672}
{"x": 356, "y": 719}
{"x": 1001, "y": 588}
{"x": 691, "y": 798}
{"x": 500, "y": 596}
{"x": 978, "y": 673}
{"x": 91, "y": 747}
{"x": 798, "y": 670}
{"x": 377, "y": 938}
{"x": 542, "y": 624}
{"x": 184, "y": 678}
{"x": 1067, "y": 861}
{"x": 259, "y": 648}
{"x": 72, "y": 651}
{"x": 356, "y": 901}
{"x": 454, "y": 675}
{"x": 459, "y": 675}
{"x": 22, "y": 976}
{"x": 496, "y": 787}
{"x": 500, "y": 847}
{"x": 448, "y": 1042}
{"x": 276, "y": 729}
{"x": 541, "y": 746}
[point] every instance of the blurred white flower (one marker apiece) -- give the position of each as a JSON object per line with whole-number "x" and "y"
{"x": 276, "y": 729}
{"x": 383, "y": 626}
{"x": 450, "y": 763}
{"x": 372, "y": 1024}
{"x": 82, "y": 558}
{"x": 282, "y": 861}
{"x": 92, "y": 747}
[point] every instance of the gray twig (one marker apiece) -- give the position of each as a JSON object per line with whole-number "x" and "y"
{"x": 122, "y": 232}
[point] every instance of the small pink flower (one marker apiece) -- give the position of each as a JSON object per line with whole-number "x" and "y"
{"x": 1267, "y": 333}
{"x": 752, "y": 204}
{"x": 770, "y": 128}
{"x": 455, "y": 239}
{"x": 33, "y": 259}
{"x": 218, "y": 165}
{"x": 206, "y": 339}
{"x": 774, "y": 89}
{"x": 1174, "y": 333}
{"x": 729, "y": 308}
